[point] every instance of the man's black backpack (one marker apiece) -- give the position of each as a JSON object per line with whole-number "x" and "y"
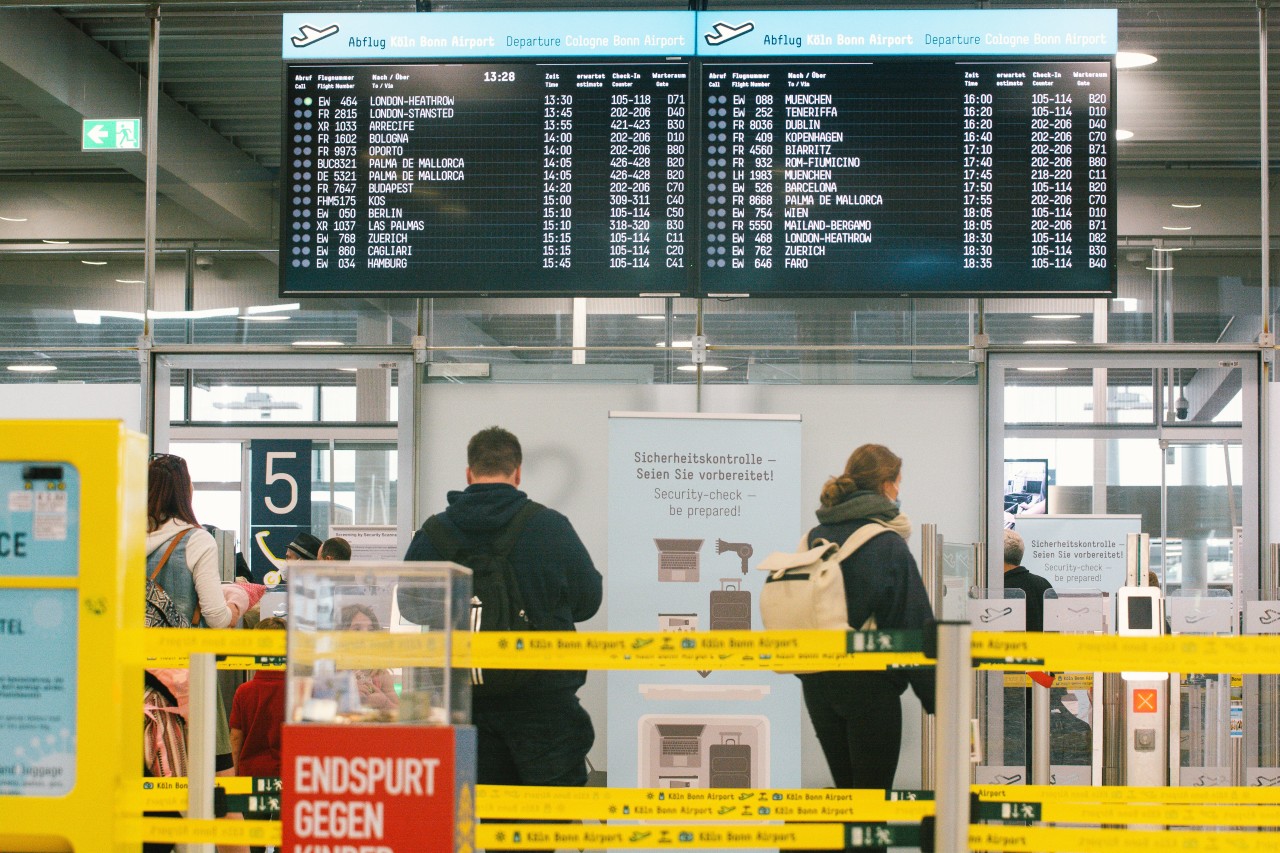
{"x": 496, "y": 601}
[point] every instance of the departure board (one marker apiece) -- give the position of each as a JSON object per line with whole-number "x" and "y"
{"x": 705, "y": 154}
{"x": 888, "y": 177}
{"x": 489, "y": 178}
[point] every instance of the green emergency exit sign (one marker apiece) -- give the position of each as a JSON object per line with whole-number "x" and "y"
{"x": 111, "y": 134}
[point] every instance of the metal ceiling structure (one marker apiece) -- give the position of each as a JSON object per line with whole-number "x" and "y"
{"x": 1194, "y": 115}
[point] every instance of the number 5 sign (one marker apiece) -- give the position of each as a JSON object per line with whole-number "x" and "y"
{"x": 281, "y": 490}
{"x": 280, "y": 500}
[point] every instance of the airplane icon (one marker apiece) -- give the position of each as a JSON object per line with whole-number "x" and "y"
{"x": 311, "y": 35}
{"x": 726, "y": 32}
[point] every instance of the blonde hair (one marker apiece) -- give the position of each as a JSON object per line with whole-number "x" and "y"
{"x": 868, "y": 469}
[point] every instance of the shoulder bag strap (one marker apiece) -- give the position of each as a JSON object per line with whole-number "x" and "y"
{"x": 168, "y": 552}
{"x": 441, "y": 538}
{"x": 860, "y": 537}
{"x": 506, "y": 539}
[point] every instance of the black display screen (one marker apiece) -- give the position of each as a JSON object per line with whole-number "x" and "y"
{"x": 700, "y": 178}
{"x": 943, "y": 177}
{"x": 546, "y": 179}
{"x": 1140, "y": 618}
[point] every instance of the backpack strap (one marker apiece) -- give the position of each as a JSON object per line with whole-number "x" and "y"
{"x": 168, "y": 552}
{"x": 860, "y": 537}
{"x": 444, "y": 541}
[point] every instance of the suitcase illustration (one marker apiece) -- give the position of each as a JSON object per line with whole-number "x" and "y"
{"x": 730, "y": 606}
{"x": 729, "y": 762}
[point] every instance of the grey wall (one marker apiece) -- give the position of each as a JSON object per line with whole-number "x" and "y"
{"x": 564, "y": 432}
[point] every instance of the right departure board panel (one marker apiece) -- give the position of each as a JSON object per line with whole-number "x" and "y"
{"x": 921, "y": 176}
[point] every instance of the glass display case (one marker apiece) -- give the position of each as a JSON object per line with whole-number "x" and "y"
{"x": 375, "y": 643}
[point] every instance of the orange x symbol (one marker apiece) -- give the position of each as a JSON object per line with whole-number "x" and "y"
{"x": 1144, "y": 701}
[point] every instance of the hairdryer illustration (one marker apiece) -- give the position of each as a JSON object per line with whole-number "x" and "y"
{"x": 742, "y": 549}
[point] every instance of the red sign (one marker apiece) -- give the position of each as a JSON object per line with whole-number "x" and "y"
{"x": 1145, "y": 701}
{"x": 377, "y": 788}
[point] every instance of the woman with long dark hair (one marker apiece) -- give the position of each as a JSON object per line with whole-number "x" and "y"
{"x": 190, "y": 570}
{"x": 857, "y": 715}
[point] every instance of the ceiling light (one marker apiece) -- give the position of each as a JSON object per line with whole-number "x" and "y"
{"x": 1125, "y": 303}
{"x": 675, "y": 344}
{"x": 56, "y": 242}
{"x": 1161, "y": 269}
{"x": 258, "y": 318}
{"x": 1045, "y": 342}
{"x": 32, "y": 368}
{"x": 1131, "y": 59}
{"x": 266, "y": 309}
{"x": 706, "y": 368}
{"x": 202, "y": 314}
{"x": 1055, "y": 316}
{"x": 1122, "y": 135}
{"x": 1042, "y": 369}
{"x": 1166, "y": 248}
{"x": 1185, "y": 206}
{"x": 347, "y": 369}
{"x": 14, "y": 218}
{"x": 317, "y": 343}
{"x": 130, "y": 281}
{"x": 651, "y": 316}
{"x": 1176, "y": 227}
{"x": 93, "y": 317}
{"x": 95, "y": 263}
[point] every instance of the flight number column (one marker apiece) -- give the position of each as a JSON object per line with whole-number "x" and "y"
{"x": 336, "y": 120}
{"x": 557, "y": 181}
{"x": 630, "y": 180}
{"x": 978, "y": 177}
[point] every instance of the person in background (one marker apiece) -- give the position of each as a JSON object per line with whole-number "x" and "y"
{"x": 376, "y": 687}
{"x": 335, "y": 548}
{"x": 257, "y": 718}
{"x": 182, "y": 558}
{"x": 542, "y": 735}
{"x": 1017, "y": 576}
{"x": 303, "y": 547}
{"x": 857, "y": 716}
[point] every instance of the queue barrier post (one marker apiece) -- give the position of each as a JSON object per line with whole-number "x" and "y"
{"x": 953, "y": 710}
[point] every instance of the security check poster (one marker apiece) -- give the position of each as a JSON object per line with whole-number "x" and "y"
{"x": 695, "y": 502}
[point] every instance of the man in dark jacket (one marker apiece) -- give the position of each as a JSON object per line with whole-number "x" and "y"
{"x": 1017, "y": 576}
{"x": 541, "y": 736}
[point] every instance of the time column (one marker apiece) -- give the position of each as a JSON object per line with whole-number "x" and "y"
{"x": 557, "y": 180}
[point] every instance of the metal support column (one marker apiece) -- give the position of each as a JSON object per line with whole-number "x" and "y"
{"x": 152, "y": 131}
{"x": 931, "y": 569}
{"x": 201, "y": 761}
{"x": 1039, "y": 735}
{"x": 954, "y": 711}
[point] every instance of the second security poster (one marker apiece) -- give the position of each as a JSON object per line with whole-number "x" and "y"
{"x": 695, "y": 503}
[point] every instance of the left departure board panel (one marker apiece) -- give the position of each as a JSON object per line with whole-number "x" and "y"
{"x": 555, "y": 178}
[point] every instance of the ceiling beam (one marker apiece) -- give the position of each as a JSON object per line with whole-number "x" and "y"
{"x": 55, "y": 71}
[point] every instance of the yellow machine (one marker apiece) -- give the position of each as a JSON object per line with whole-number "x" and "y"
{"x": 72, "y": 528}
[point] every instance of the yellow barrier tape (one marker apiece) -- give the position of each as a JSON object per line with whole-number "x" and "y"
{"x": 1098, "y": 653}
{"x": 259, "y": 833}
{"x": 702, "y": 650}
{"x": 1163, "y": 814}
{"x": 543, "y": 803}
{"x": 1065, "y": 680}
{"x": 170, "y": 792}
{"x": 708, "y": 650}
{"x": 1035, "y": 839}
{"x": 1108, "y": 794}
{"x": 790, "y": 837}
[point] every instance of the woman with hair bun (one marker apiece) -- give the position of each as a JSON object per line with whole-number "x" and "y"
{"x": 857, "y": 715}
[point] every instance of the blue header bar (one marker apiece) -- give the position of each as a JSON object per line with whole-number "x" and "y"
{"x": 965, "y": 32}
{"x": 538, "y": 35}
{"x": 485, "y": 35}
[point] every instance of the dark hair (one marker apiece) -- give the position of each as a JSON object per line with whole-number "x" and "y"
{"x": 351, "y": 611}
{"x": 868, "y": 469}
{"x": 275, "y": 623}
{"x": 169, "y": 491}
{"x": 493, "y": 451}
{"x": 335, "y": 548}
